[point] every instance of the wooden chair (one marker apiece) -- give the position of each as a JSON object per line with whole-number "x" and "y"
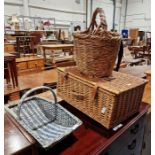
{"x": 129, "y": 59}
{"x": 146, "y": 53}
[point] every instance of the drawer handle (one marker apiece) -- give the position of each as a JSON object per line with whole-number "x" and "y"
{"x": 132, "y": 145}
{"x": 135, "y": 129}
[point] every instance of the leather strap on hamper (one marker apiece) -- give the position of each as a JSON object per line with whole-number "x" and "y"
{"x": 95, "y": 91}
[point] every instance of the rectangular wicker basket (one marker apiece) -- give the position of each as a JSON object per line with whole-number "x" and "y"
{"x": 109, "y": 101}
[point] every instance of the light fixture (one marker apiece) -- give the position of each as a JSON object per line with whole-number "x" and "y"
{"x": 14, "y": 23}
{"x": 14, "y": 19}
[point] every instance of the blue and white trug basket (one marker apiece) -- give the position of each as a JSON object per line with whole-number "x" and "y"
{"x": 47, "y": 121}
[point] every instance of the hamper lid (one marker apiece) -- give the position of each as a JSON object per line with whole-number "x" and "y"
{"x": 117, "y": 83}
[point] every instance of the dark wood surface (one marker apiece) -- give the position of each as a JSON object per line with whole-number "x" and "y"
{"x": 15, "y": 142}
{"x": 89, "y": 139}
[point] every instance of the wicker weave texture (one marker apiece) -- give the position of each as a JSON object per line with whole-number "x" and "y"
{"x": 96, "y": 49}
{"x": 106, "y": 107}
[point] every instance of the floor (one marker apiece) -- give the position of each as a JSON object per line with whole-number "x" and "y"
{"x": 32, "y": 80}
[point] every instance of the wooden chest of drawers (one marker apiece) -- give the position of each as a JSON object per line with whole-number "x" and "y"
{"x": 27, "y": 64}
{"x": 130, "y": 142}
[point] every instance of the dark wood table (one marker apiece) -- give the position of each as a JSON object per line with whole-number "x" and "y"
{"x": 9, "y": 61}
{"x": 136, "y": 50}
{"x": 93, "y": 139}
{"x": 15, "y": 142}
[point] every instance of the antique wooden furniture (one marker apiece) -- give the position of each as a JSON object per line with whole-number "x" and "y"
{"x": 146, "y": 53}
{"x": 9, "y": 47}
{"x": 27, "y": 81}
{"x": 133, "y": 33}
{"x": 25, "y": 44}
{"x": 56, "y": 47}
{"x": 27, "y": 64}
{"x": 10, "y": 68}
{"x": 15, "y": 142}
{"x": 147, "y": 99}
{"x": 142, "y": 51}
{"x": 93, "y": 139}
{"x": 147, "y": 92}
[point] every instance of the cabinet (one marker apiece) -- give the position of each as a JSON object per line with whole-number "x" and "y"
{"x": 27, "y": 64}
{"x": 130, "y": 142}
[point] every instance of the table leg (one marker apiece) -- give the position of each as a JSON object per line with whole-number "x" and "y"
{"x": 44, "y": 54}
{"x": 53, "y": 61}
{"x": 12, "y": 74}
{"x": 15, "y": 72}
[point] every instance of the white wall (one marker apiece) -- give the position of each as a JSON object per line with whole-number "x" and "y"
{"x": 68, "y": 10}
{"x": 138, "y": 11}
{"x": 118, "y": 15}
{"x": 59, "y": 9}
{"x": 139, "y": 14}
{"x": 13, "y": 7}
{"x": 107, "y": 6}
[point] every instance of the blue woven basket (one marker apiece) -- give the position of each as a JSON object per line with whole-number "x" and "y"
{"x": 47, "y": 121}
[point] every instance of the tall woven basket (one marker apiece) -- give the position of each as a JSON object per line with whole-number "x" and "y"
{"x": 96, "y": 48}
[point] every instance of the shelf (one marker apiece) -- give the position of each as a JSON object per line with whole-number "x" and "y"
{"x": 31, "y": 30}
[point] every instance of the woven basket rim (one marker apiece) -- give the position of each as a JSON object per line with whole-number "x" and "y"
{"x": 105, "y": 36}
{"x": 101, "y": 84}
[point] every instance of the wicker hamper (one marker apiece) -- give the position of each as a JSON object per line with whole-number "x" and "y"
{"x": 96, "y": 49}
{"x": 109, "y": 101}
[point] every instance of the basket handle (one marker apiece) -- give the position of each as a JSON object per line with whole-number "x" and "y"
{"x": 103, "y": 22}
{"x": 77, "y": 95}
{"x": 30, "y": 92}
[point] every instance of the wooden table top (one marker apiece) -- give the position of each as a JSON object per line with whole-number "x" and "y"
{"x": 57, "y": 45}
{"x": 29, "y": 58}
{"x": 14, "y": 141}
{"x": 33, "y": 80}
{"x": 8, "y": 55}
